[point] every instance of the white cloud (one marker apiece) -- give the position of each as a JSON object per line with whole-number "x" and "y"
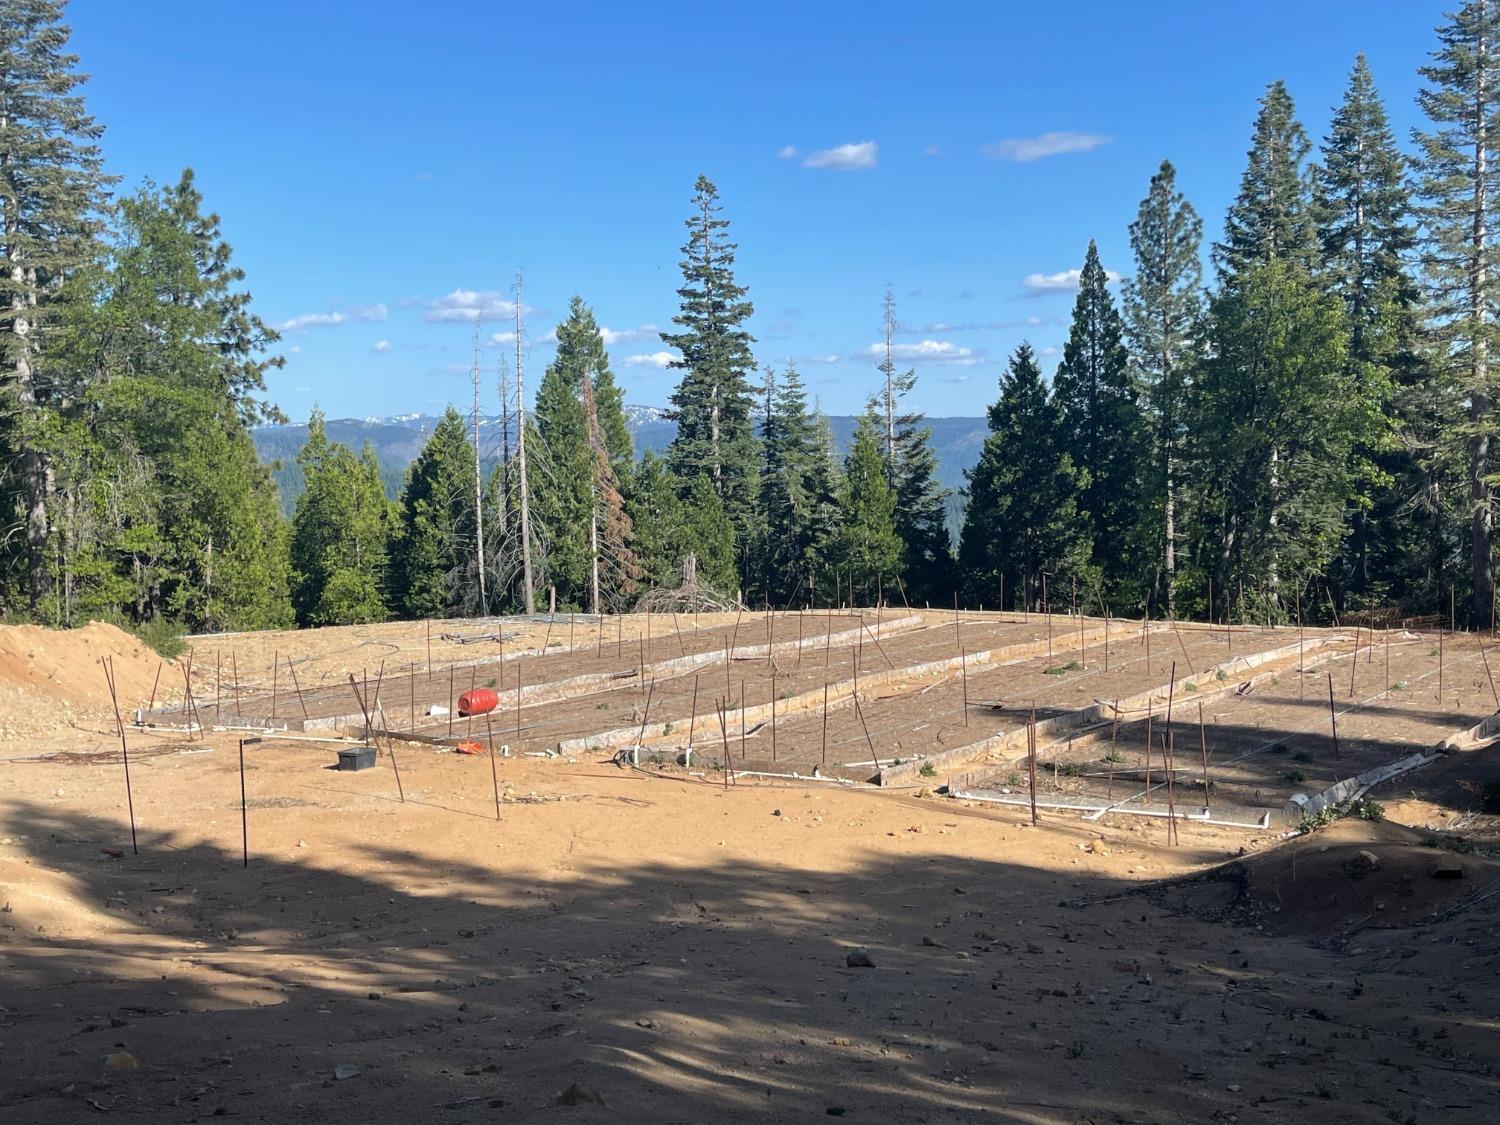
{"x": 653, "y": 359}
{"x": 845, "y": 158}
{"x": 786, "y": 152}
{"x": 629, "y": 335}
{"x": 469, "y": 305}
{"x": 498, "y": 338}
{"x": 381, "y": 346}
{"x": 933, "y": 150}
{"x": 1040, "y": 284}
{"x": 942, "y": 327}
{"x": 832, "y": 358}
{"x": 333, "y": 317}
{"x": 929, "y": 351}
{"x": 1023, "y": 149}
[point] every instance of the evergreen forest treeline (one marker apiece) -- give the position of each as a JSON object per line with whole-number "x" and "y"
{"x": 1296, "y": 418}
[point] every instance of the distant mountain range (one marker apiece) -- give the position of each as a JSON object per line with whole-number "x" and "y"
{"x": 398, "y": 440}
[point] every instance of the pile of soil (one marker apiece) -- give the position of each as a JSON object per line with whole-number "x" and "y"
{"x": 1352, "y": 875}
{"x": 49, "y": 678}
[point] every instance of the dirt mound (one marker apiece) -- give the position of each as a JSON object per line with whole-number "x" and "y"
{"x": 1352, "y": 875}
{"x": 50, "y": 676}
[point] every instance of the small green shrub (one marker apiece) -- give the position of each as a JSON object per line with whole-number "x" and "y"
{"x": 1072, "y": 769}
{"x": 1302, "y": 756}
{"x": 1367, "y": 809}
{"x": 162, "y": 636}
{"x": 1114, "y": 757}
{"x": 1296, "y": 777}
{"x": 1013, "y": 779}
{"x": 928, "y": 770}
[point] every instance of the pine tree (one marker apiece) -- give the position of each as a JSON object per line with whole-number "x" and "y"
{"x": 1022, "y": 519}
{"x": 713, "y": 404}
{"x": 1272, "y": 216}
{"x": 1273, "y": 417}
{"x": 432, "y": 559}
{"x": 166, "y": 359}
{"x": 1103, "y": 431}
{"x": 867, "y": 550}
{"x": 561, "y": 466}
{"x": 796, "y": 498}
{"x": 340, "y": 533}
{"x": 615, "y": 570}
{"x": 1458, "y": 188}
{"x": 927, "y": 573}
{"x": 669, "y": 527}
{"x": 1163, "y": 310}
{"x": 1365, "y": 221}
{"x": 51, "y": 192}
{"x": 1272, "y": 429}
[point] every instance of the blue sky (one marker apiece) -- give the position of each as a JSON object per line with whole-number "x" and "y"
{"x": 383, "y": 169}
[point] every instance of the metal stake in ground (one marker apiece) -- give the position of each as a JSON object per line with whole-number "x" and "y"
{"x": 693, "y": 718}
{"x": 1485, "y": 657}
{"x": 451, "y": 704}
{"x": 1203, "y": 747}
{"x": 963, "y": 663}
{"x": 824, "y": 758}
{"x": 1333, "y": 716}
{"x": 773, "y": 712}
{"x": 109, "y": 678}
{"x": 245, "y": 805}
{"x": 297, "y": 687}
{"x": 1031, "y": 759}
{"x": 1114, "y": 740}
{"x": 489, "y": 733}
{"x": 370, "y": 729}
{"x": 275, "y": 664}
{"x": 1354, "y": 664}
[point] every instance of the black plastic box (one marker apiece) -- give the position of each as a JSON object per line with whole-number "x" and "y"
{"x": 357, "y": 758}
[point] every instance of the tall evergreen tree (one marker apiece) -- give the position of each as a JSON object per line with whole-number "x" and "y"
{"x": 796, "y": 498}
{"x": 867, "y": 550}
{"x": 166, "y": 358}
{"x": 432, "y": 560}
{"x": 340, "y": 533}
{"x": 1163, "y": 309}
{"x": 1272, "y": 430}
{"x": 1458, "y": 188}
{"x": 1365, "y": 221}
{"x": 1103, "y": 431}
{"x": 669, "y": 528}
{"x": 713, "y": 404}
{"x": 1272, "y": 216}
{"x": 1274, "y": 424}
{"x": 561, "y": 467}
{"x": 1022, "y": 520}
{"x": 51, "y": 193}
{"x": 927, "y": 573}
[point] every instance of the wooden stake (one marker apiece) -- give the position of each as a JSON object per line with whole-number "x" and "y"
{"x": 518, "y": 705}
{"x": 151, "y": 706}
{"x": 452, "y": 701}
{"x": 275, "y": 664}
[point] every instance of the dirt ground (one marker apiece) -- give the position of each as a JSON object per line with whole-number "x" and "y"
{"x": 640, "y": 945}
